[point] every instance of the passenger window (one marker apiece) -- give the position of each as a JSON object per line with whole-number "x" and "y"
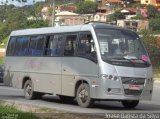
{"x": 54, "y": 45}
{"x": 25, "y": 45}
{"x": 86, "y": 46}
{"x": 70, "y": 45}
{"x": 21, "y": 46}
{"x": 36, "y": 45}
{"x": 18, "y": 46}
{"x": 11, "y": 46}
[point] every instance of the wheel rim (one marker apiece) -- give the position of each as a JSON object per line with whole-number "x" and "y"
{"x": 83, "y": 95}
{"x": 28, "y": 90}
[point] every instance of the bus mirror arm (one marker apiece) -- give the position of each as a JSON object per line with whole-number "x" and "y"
{"x": 93, "y": 56}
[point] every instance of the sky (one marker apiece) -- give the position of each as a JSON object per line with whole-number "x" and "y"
{"x": 29, "y": 2}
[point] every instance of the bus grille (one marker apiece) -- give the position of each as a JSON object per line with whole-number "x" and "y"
{"x": 132, "y": 92}
{"x": 132, "y": 80}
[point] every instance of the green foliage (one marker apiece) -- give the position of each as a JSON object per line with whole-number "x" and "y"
{"x": 154, "y": 24}
{"x": 151, "y": 11}
{"x": 36, "y": 24}
{"x": 117, "y": 15}
{"x": 11, "y": 112}
{"x": 150, "y": 41}
{"x": 21, "y": 1}
{"x": 3, "y": 42}
{"x": 138, "y": 16}
{"x": 86, "y": 7}
{"x": 1, "y": 62}
{"x": 138, "y": 5}
{"x": 14, "y": 18}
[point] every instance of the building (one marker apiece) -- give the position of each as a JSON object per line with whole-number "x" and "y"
{"x": 68, "y": 18}
{"x": 135, "y": 25}
{"x": 129, "y": 12}
{"x": 155, "y": 3}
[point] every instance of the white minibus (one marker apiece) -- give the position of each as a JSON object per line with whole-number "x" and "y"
{"x": 88, "y": 62}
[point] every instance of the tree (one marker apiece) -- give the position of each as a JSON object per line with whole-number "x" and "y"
{"x": 117, "y": 15}
{"x": 138, "y": 16}
{"x": 154, "y": 24}
{"x": 151, "y": 43}
{"x": 16, "y": 18}
{"x": 86, "y": 7}
{"x": 151, "y": 11}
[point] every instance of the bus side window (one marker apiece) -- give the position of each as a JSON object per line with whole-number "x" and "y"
{"x": 11, "y": 46}
{"x": 86, "y": 46}
{"x": 70, "y": 45}
{"x": 36, "y": 45}
{"x": 54, "y": 45}
{"x": 21, "y": 46}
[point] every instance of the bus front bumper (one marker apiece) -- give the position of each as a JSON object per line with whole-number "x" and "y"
{"x": 121, "y": 92}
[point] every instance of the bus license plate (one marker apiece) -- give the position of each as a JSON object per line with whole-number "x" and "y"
{"x": 134, "y": 87}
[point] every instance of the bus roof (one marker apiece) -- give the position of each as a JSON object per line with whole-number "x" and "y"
{"x": 59, "y": 29}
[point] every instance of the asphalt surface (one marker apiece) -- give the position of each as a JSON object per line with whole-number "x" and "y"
{"x": 16, "y": 96}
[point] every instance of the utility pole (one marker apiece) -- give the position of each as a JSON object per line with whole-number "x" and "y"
{"x": 53, "y": 13}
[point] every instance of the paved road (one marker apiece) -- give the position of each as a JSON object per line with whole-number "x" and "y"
{"x": 16, "y": 96}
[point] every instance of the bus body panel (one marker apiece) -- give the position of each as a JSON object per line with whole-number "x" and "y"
{"x": 45, "y": 73}
{"x": 74, "y": 69}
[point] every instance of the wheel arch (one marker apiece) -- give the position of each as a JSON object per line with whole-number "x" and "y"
{"x": 80, "y": 81}
{"x": 26, "y": 78}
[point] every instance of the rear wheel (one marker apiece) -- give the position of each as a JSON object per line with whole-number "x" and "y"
{"x": 83, "y": 96}
{"x": 28, "y": 90}
{"x": 130, "y": 103}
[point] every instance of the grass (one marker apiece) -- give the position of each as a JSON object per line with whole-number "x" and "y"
{"x": 7, "y": 112}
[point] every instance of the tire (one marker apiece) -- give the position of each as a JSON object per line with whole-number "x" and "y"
{"x": 28, "y": 90}
{"x": 130, "y": 103}
{"x": 83, "y": 96}
{"x": 66, "y": 99}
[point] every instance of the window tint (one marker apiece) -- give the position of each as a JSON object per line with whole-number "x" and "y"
{"x": 70, "y": 45}
{"x": 18, "y": 47}
{"x": 36, "y": 45}
{"x": 86, "y": 46}
{"x": 11, "y": 46}
{"x": 25, "y": 45}
{"x": 21, "y": 46}
{"x": 54, "y": 45}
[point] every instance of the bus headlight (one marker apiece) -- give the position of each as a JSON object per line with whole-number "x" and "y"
{"x": 111, "y": 77}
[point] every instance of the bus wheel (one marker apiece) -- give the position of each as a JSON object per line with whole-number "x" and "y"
{"x": 28, "y": 90}
{"x": 83, "y": 96}
{"x": 130, "y": 103}
{"x": 66, "y": 99}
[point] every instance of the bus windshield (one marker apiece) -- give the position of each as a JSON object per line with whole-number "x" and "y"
{"x": 118, "y": 45}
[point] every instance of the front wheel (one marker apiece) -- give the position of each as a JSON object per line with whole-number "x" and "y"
{"x": 130, "y": 103}
{"x": 83, "y": 96}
